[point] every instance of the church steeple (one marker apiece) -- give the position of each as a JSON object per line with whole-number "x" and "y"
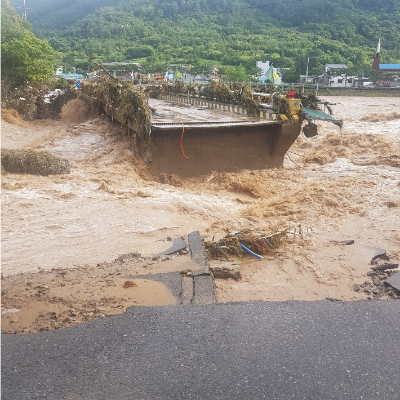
{"x": 377, "y": 58}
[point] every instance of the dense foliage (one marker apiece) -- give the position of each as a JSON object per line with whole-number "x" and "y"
{"x": 24, "y": 57}
{"x": 233, "y": 33}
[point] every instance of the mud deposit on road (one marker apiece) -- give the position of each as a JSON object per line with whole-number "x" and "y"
{"x": 62, "y": 234}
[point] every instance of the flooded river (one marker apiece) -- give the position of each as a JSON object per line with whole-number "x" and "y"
{"x": 340, "y": 185}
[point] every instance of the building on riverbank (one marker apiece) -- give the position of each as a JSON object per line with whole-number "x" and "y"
{"x": 384, "y": 68}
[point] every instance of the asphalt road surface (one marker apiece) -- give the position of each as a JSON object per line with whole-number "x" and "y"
{"x": 259, "y": 350}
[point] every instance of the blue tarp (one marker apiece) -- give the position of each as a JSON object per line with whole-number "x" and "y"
{"x": 389, "y": 66}
{"x": 70, "y": 76}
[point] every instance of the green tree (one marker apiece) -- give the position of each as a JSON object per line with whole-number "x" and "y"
{"x": 28, "y": 59}
{"x": 290, "y": 76}
{"x": 200, "y": 68}
{"x": 24, "y": 57}
{"x": 139, "y": 52}
{"x": 375, "y": 75}
{"x": 12, "y": 25}
{"x": 236, "y": 74}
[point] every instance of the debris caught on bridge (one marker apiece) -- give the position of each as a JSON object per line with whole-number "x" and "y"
{"x": 125, "y": 103}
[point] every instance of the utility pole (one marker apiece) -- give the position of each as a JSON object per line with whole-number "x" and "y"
{"x": 305, "y": 82}
{"x": 24, "y": 13}
{"x": 308, "y": 61}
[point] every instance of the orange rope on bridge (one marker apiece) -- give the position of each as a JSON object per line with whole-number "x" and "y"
{"x": 183, "y": 132}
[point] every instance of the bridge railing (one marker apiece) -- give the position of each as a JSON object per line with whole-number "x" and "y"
{"x": 232, "y": 108}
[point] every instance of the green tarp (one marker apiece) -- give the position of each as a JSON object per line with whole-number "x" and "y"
{"x": 318, "y": 114}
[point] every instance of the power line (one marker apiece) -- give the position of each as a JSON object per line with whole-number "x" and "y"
{"x": 44, "y": 21}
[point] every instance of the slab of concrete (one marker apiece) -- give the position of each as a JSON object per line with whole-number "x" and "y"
{"x": 201, "y": 271}
{"x": 187, "y": 290}
{"x": 394, "y": 281}
{"x": 204, "y": 291}
{"x": 178, "y": 244}
{"x": 225, "y": 270}
{"x": 197, "y": 248}
{"x": 377, "y": 253}
{"x": 192, "y": 285}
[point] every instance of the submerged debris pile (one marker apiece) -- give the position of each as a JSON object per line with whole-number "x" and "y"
{"x": 233, "y": 94}
{"x": 238, "y": 244}
{"x": 33, "y": 162}
{"x": 310, "y": 100}
{"x": 38, "y": 101}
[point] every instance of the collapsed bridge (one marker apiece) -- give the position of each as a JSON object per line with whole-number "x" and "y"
{"x": 200, "y": 136}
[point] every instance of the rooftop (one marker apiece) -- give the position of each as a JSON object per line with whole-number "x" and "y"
{"x": 337, "y": 66}
{"x": 389, "y": 66}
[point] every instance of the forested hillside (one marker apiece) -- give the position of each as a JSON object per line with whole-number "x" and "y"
{"x": 221, "y": 32}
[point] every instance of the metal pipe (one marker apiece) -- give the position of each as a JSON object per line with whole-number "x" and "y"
{"x": 261, "y": 94}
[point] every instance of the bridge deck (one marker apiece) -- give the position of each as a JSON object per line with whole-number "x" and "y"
{"x": 173, "y": 114}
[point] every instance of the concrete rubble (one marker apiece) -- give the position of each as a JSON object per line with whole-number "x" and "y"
{"x": 196, "y": 286}
{"x": 394, "y": 281}
{"x": 178, "y": 244}
{"x": 384, "y": 277}
{"x": 225, "y": 270}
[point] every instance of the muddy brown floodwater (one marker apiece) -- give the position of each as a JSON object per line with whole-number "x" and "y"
{"x": 61, "y": 234}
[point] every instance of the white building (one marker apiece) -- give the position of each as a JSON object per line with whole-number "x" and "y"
{"x": 264, "y": 66}
{"x": 334, "y": 78}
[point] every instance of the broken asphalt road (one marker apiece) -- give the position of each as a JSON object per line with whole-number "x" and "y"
{"x": 286, "y": 350}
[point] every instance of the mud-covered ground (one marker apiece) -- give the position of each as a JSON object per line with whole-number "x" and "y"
{"x": 62, "y": 234}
